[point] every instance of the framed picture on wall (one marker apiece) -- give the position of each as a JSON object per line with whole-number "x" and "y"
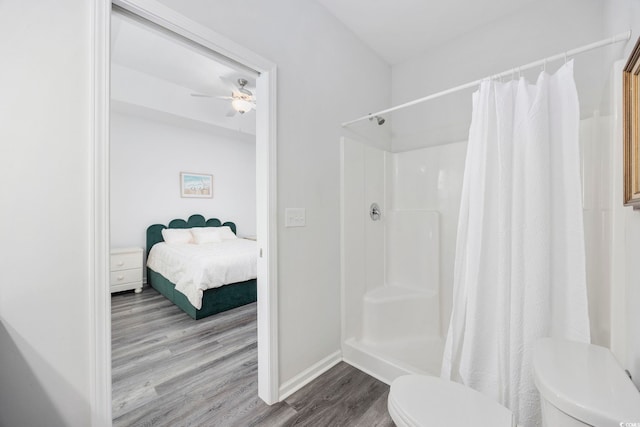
{"x": 196, "y": 185}
{"x": 631, "y": 128}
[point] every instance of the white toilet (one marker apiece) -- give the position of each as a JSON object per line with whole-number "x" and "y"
{"x": 421, "y": 400}
{"x": 579, "y": 384}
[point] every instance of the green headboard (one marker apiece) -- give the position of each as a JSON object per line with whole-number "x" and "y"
{"x": 154, "y": 232}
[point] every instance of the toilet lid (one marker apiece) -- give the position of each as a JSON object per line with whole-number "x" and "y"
{"x": 420, "y": 400}
{"x": 586, "y": 382}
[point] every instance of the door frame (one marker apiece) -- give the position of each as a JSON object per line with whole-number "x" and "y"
{"x": 266, "y": 203}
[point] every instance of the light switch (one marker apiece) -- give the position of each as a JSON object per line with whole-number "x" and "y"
{"x": 295, "y": 217}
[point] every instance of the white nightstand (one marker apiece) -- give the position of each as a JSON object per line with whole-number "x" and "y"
{"x": 126, "y": 269}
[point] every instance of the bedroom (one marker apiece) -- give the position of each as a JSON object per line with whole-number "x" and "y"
{"x": 159, "y": 130}
{"x": 171, "y": 117}
{"x": 339, "y": 78}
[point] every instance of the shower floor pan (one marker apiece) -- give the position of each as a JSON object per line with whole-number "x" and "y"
{"x": 400, "y": 334}
{"x": 389, "y": 360}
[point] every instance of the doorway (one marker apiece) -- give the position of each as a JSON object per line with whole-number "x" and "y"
{"x": 202, "y": 38}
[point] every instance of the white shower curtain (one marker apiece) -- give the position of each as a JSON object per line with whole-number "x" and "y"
{"x": 520, "y": 257}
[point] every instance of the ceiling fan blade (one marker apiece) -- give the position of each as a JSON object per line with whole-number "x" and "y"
{"x": 228, "y": 98}
{"x": 201, "y": 95}
{"x": 231, "y": 113}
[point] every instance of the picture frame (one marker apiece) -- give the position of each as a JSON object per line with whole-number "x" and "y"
{"x": 631, "y": 128}
{"x": 196, "y": 185}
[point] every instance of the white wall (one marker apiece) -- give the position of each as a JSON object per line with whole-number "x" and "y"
{"x": 543, "y": 28}
{"x": 325, "y": 77}
{"x": 352, "y": 237}
{"x": 147, "y": 157}
{"x": 45, "y": 168}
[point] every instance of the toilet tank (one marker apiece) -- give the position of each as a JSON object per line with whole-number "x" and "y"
{"x": 583, "y": 385}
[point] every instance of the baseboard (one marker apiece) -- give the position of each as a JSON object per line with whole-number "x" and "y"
{"x": 310, "y": 374}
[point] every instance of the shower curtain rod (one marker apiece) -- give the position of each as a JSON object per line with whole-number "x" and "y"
{"x": 605, "y": 42}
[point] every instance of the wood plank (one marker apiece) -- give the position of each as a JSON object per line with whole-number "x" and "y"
{"x": 338, "y": 403}
{"x": 377, "y": 415}
{"x": 170, "y": 370}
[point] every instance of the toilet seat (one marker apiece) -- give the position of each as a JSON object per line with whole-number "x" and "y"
{"x": 426, "y": 401}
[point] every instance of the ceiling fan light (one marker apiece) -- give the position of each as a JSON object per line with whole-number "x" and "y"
{"x": 241, "y": 105}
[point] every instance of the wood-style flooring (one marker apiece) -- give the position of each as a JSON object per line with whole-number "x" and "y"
{"x": 170, "y": 370}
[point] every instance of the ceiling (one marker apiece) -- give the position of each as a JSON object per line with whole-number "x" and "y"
{"x": 153, "y": 70}
{"x": 158, "y": 72}
{"x": 400, "y": 29}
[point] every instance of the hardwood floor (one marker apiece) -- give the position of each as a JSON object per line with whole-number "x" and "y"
{"x": 170, "y": 370}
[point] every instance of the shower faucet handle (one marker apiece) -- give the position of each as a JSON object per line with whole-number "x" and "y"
{"x": 374, "y": 212}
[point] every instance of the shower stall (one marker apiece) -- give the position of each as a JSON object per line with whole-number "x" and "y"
{"x": 398, "y": 226}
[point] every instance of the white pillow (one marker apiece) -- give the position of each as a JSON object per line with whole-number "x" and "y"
{"x": 177, "y": 235}
{"x": 226, "y": 233}
{"x": 205, "y": 235}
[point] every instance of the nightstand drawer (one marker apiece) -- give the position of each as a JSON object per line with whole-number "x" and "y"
{"x": 126, "y": 269}
{"x": 126, "y": 261}
{"x": 126, "y": 276}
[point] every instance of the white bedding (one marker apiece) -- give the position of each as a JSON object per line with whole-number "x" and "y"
{"x": 195, "y": 268}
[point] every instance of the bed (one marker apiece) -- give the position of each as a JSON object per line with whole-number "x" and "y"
{"x": 213, "y": 300}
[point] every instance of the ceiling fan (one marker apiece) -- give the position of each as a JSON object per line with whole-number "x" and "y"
{"x": 242, "y": 99}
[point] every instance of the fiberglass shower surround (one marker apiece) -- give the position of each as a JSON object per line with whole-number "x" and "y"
{"x": 519, "y": 268}
{"x": 392, "y": 290}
